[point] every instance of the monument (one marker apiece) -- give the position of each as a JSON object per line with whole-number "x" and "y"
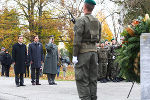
{"x": 145, "y": 66}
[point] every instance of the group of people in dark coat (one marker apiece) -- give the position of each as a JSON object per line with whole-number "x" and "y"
{"x": 35, "y": 57}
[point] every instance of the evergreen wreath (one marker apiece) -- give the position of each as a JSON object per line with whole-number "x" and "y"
{"x": 129, "y": 53}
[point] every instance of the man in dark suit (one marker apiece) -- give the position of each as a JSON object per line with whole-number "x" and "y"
{"x": 19, "y": 56}
{"x": 7, "y": 60}
{"x": 1, "y": 58}
{"x": 36, "y": 59}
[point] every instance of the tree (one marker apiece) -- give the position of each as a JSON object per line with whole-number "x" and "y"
{"x": 40, "y": 20}
{"x": 131, "y": 9}
{"x": 9, "y": 28}
{"x": 106, "y": 32}
{"x": 67, "y": 26}
{"x": 33, "y": 11}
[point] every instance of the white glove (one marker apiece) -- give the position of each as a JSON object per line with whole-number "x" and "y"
{"x": 74, "y": 60}
{"x": 113, "y": 57}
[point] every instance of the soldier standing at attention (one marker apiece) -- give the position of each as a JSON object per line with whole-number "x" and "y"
{"x": 106, "y": 44}
{"x": 114, "y": 67}
{"x": 51, "y": 61}
{"x": 87, "y": 33}
{"x": 102, "y": 60}
{"x": 111, "y": 63}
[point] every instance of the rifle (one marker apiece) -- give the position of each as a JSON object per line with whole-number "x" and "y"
{"x": 72, "y": 19}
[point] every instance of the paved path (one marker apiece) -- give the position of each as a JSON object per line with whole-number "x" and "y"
{"x": 65, "y": 90}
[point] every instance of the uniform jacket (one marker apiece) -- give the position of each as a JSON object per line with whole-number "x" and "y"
{"x": 36, "y": 54}
{"x": 82, "y": 36}
{"x": 102, "y": 55}
{"x": 112, "y": 51}
{"x": 19, "y": 56}
{"x": 51, "y": 60}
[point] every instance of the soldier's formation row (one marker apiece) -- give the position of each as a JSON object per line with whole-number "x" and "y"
{"x": 108, "y": 69}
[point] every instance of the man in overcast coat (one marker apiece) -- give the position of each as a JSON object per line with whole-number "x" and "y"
{"x": 19, "y": 56}
{"x": 36, "y": 59}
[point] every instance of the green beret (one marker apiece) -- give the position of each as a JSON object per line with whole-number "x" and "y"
{"x": 106, "y": 40}
{"x": 51, "y": 36}
{"x": 92, "y": 2}
{"x": 102, "y": 41}
{"x": 112, "y": 39}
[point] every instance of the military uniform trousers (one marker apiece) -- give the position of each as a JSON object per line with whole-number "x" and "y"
{"x": 102, "y": 69}
{"x": 109, "y": 66}
{"x": 86, "y": 75}
{"x": 113, "y": 68}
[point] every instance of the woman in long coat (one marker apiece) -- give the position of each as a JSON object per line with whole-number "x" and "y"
{"x": 51, "y": 61}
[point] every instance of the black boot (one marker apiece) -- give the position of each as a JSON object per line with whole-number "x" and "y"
{"x": 121, "y": 78}
{"x": 53, "y": 79}
{"x": 104, "y": 80}
{"x": 101, "y": 80}
{"x": 114, "y": 80}
{"x": 117, "y": 79}
{"x": 50, "y": 79}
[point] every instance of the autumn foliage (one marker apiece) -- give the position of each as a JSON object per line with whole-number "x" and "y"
{"x": 106, "y": 32}
{"x": 9, "y": 28}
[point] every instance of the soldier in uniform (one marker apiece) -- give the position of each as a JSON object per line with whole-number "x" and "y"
{"x": 102, "y": 60}
{"x": 51, "y": 61}
{"x": 106, "y": 44}
{"x": 113, "y": 64}
{"x": 87, "y": 32}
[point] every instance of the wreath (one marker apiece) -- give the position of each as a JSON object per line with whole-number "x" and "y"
{"x": 129, "y": 53}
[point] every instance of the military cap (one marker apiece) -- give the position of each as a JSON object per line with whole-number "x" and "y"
{"x": 3, "y": 48}
{"x": 51, "y": 36}
{"x": 112, "y": 39}
{"x": 106, "y": 40}
{"x": 92, "y": 2}
{"x": 102, "y": 41}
